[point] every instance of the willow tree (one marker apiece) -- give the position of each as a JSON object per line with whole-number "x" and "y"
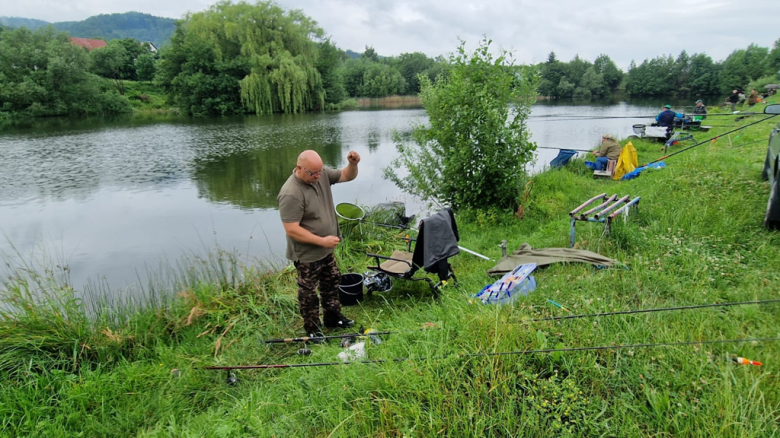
{"x": 270, "y": 53}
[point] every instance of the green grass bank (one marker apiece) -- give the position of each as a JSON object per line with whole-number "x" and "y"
{"x": 146, "y": 97}
{"x": 697, "y": 239}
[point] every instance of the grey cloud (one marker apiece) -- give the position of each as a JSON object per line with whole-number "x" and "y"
{"x": 625, "y": 30}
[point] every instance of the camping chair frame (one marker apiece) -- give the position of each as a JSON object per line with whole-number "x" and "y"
{"x": 413, "y": 268}
{"x": 676, "y": 137}
{"x": 404, "y": 265}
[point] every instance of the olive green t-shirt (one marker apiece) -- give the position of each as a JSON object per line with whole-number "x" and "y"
{"x": 610, "y": 148}
{"x": 312, "y": 206}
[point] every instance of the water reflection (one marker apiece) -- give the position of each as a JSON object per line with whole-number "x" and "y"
{"x": 373, "y": 140}
{"x": 251, "y": 176}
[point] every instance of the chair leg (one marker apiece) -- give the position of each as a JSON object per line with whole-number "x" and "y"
{"x": 452, "y": 274}
{"x": 434, "y": 287}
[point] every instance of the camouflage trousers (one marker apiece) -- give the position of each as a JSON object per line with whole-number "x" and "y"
{"x": 325, "y": 275}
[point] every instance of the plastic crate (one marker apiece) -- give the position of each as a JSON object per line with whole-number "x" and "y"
{"x": 508, "y": 288}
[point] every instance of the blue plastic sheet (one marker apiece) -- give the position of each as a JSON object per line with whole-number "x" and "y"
{"x": 635, "y": 173}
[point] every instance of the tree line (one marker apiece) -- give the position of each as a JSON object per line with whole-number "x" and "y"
{"x": 43, "y": 74}
{"x": 686, "y": 75}
{"x": 238, "y": 58}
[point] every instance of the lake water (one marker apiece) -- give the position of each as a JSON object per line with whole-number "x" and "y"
{"x": 112, "y": 199}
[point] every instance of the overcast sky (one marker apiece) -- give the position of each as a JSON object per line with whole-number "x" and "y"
{"x": 624, "y": 30}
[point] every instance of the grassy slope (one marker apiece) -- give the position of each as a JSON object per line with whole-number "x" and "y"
{"x": 145, "y": 97}
{"x": 697, "y": 239}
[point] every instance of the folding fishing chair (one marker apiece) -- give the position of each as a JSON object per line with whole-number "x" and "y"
{"x": 437, "y": 241}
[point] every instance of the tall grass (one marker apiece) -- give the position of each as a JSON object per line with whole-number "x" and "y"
{"x": 390, "y": 102}
{"x": 147, "y": 97}
{"x": 696, "y": 239}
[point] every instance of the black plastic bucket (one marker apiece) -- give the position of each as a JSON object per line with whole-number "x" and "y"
{"x": 351, "y": 289}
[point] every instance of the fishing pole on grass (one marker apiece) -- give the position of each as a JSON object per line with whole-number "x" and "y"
{"x": 493, "y": 354}
{"x": 429, "y": 326}
{"x": 474, "y": 253}
{"x": 752, "y": 142}
{"x": 398, "y": 227}
{"x": 558, "y": 305}
{"x": 711, "y": 139}
{"x": 660, "y": 309}
{"x": 361, "y": 333}
{"x": 324, "y": 338}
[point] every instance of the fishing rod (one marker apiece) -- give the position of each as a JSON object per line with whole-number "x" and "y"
{"x": 430, "y": 326}
{"x": 578, "y": 117}
{"x": 589, "y": 118}
{"x": 660, "y": 309}
{"x": 325, "y": 338}
{"x": 563, "y": 149}
{"x": 361, "y": 333}
{"x": 474, "y": 253}
{"x": 752, "y": 142}
{"x": 709, "y": 126}
{"x": 690, "y": 123}
{"x": 711, "y": 139}
{"x": 493, "y": 354}
{"x": 400, "y": 227}
{"x": 558, "y": 305}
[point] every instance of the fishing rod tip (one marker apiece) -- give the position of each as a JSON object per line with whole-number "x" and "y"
{"x": 746, "y": 361}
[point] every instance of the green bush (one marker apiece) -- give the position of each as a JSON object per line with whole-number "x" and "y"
{"x": 475, "y": 148}
{"x": 760, "y": 83}
{"x": 43, "y": 74}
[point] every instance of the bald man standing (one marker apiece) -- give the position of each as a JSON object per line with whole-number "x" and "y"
{"x": 309, "y": 220}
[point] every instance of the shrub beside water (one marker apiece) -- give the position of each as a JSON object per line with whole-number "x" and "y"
{"x": 473, "y": 151}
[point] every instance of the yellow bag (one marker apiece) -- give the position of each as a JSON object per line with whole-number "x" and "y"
{"x": 627, "y": 161}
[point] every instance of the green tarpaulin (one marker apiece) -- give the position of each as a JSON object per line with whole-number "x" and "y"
{"x": 547, "y": 256}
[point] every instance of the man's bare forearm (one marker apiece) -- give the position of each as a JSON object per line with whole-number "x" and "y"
{"x": 350, "y": 172}
{"x": 300, "y": 234}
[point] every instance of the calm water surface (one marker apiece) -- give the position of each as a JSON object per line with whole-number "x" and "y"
{"x": 111, "y": 200}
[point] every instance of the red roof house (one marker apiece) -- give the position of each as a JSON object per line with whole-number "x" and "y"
{"x": 89, "y": 44}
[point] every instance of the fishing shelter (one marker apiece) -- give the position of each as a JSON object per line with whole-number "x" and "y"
{"x": 543, "y": 257}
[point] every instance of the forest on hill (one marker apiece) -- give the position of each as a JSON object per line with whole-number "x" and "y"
{"x": 281, "y": 61}
{"x": 136, "y": 25}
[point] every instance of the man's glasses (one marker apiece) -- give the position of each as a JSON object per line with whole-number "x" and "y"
{"x": 312, "y": 174}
